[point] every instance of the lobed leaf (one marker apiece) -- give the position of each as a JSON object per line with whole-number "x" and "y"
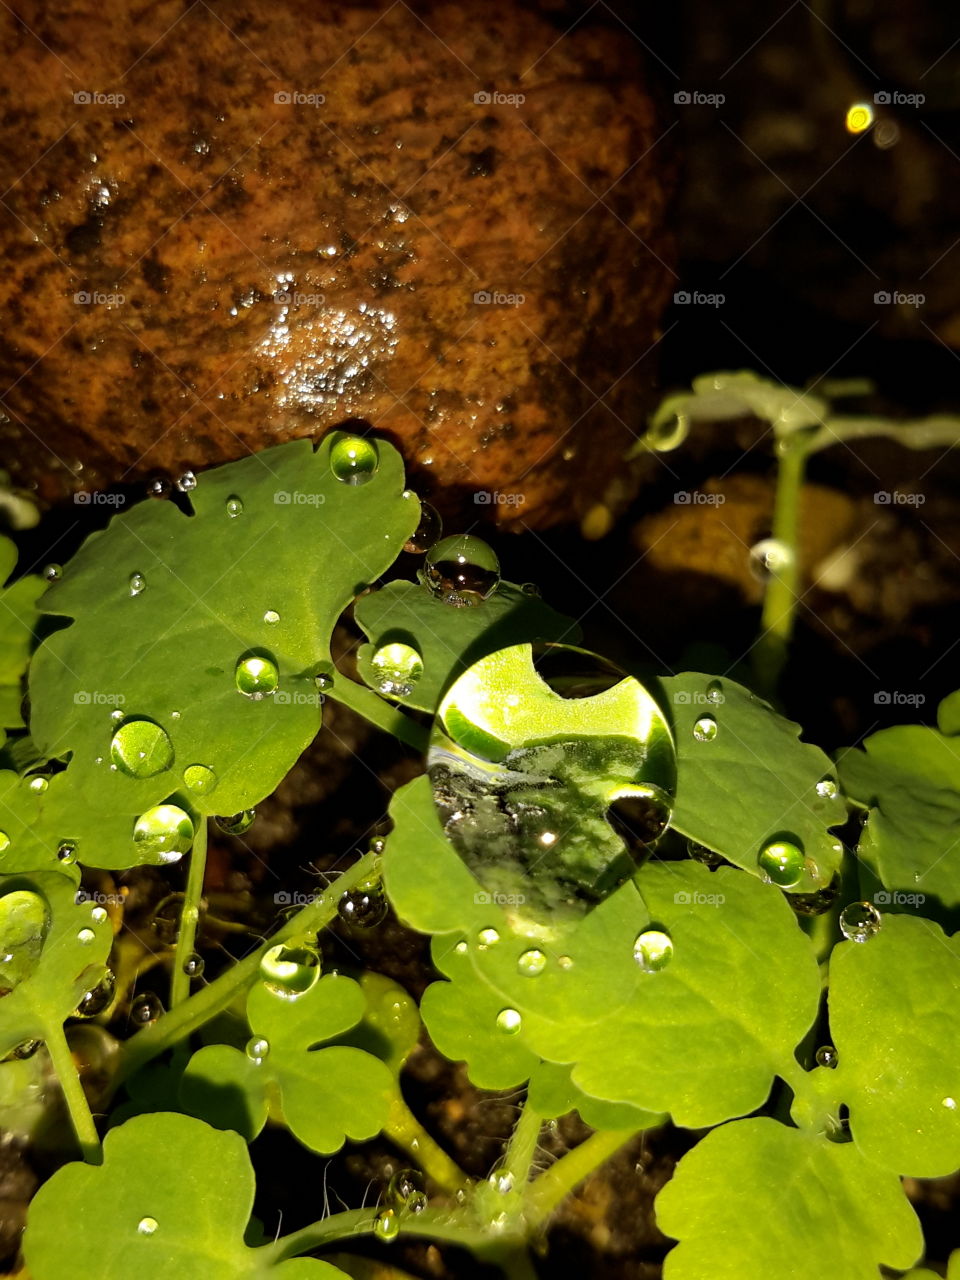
{"x": 19, "y": 616}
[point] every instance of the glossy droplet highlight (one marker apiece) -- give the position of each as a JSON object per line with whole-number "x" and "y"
{"x": 354, "y": 460}
{"x": 145, "y": 1008}
{"x": 461, "y": 571}
{"x": 290, "y": 969}
{"x": 38, "y": 784}
{"x": 769, "y": 558}
{"x": 860, "y": 921}
{"x": 363, "y": 907}
{"x": 141, "y": 749}
{"x": 705, "y": 729}
{"x": 406, "y": 1192}
{"x": 53, "y": 572}
{"x": 193, "y": 965}
{"x": 427, "y": 532}
{"x": 147, "y": 1226}
{"x": 826, "y": 788}
{"x": 23, "y": 928}
{"x": 97, "y": 998}
{"x": 237, "y": 823}
{"x": 715, "y": 693}
{"x": 396, "y": 669}
{"x": 137, "y": 583}
{"x": 509, "y": 1021}
{"x": 164, "y": 832}
{"x": 257, "y": 1049}
{"x": 706, "y": 857}
{"x": 186, "y": 482}
{"x": 200, "y": 779}
{"x": 67, "y": 852}
{"x": 653, "y": 950}
{"x": 323, "y": 681}
{"x": 234, "y": 506}
{"x": 816, "y": 902}
{"x": 86, "y": 936}
{"x": 257, "y": 676}
{"x": 782, "y": 862}
{"x": 271, "y": 617}
{"x": 386, "y": 1225}
{"x": 641, "y": 817}
{"x": 531, "y": 963}
{"x": 487, "y": 938}
{"x": 827, "y": 1056}
{"x": 158, "y": 487}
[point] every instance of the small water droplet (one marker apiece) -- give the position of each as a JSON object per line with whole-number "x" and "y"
{"x": 4, "y": 841}
{"x": 565, "y": 962}
{"x": 137, "y": 583}
{"x": 257, "y": 676}
{"x": 378, "y": 845}
{"x": 363, "y": 907}
{"x": 141, "y": 749}
{"x": 817, "y": 902}
{"x": 427, "y": 532}
{"x": 200, "y": 778}
{"x": 271, "y": 617}
{"x": 461, "y": 571}
{"x": 164, "y": 832}
{"x": 396, "y": 669}
{"x": 235, "y": 824}
{"x": 174, "y": 715}
{"x": 715, "y": 693}
{"x": 67, "y": 852}
{"x": 386, "y": 1225}
{"x": 186, "y": 482}
{"x": 323, "y": 681}
{"x": 406, "y": 1193}
{"x": 700, "y": 853}
{"x": 291, "y": 968}
{"x": 502, "y": 1182}
{"x": 782, "y": 862}
{"x": 653, "y": 950}
{"x": 860, "y": 921}
{"x": 827, "y": 1056}
{"x": 769, "y": 558}
{"x": 53, "y": 572}
{"x": 38, "y": 784}
{"x": 257, "y": 1049}
{"x": 461, "y": 948}
{"x": 86, "y": 936}
{"x": 98, "y": 915}
{"x": 116, "y": 717}
{"x": 509, "y": 1021}
{"x": 145, "y": 1008}
{"x": 826, "y": 788}
{"x": 147, "y": 1226}
{"x": 487, "y": 938}
{"x": 25, "y": 1049}
{"x": 193, "y": 965}
{"x": 353, "y": 459}
{"x": 234, "y": 506}
{"x": 705, "y": 729}
{"x": 531, "y": 589}
{"x": 531, "y": 963}
{"x": 950, "y": 1104}
{"x": 158, "y": 487}
{"x": 97, "y": 998}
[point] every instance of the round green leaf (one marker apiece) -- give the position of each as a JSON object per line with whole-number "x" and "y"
{"x": 18, "y": 622}
{"x": 226, "y": 1088}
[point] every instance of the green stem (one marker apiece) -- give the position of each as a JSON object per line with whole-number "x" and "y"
{"x": 373, "y": 708}
{"x": 76, "y": 1100}
{"x": 522, "y": 1147}
{"x": 450, "y": 1226}
{"x": 780, "y": 598}
{"x": 405, "y": 1131}
{"x": 556, "y": 1183}
{"x": 178, "y": 1023}
{"x": 189, "y": 917}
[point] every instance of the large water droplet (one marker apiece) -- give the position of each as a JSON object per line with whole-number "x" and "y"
{"x": 38, "y": 784}
{"x": 531, "y": 963}
{"x": 186, "y": 482}
{"x": 86, "y": 936}
{"x": 406, "y": 1191}
{"x": 141, "y": 749}
{"x": 386, "y": 1225}
{"x": 860, "y": 921}
{"x": 509, "y": 1021}
{"x": 145, "y": 1009}
{"x": 257, "y": 1049}
{"x": 705, "y": 729}
{"x": 641, "y": 817}
{"x": 769, "y": 558}
{"x": 147, "y": 1226}
{"x": 363, "y": 907}
{"x": 23, "y": 927}
{"x": 257, "y": 676}
{"x": 827, "y": 1056}
{"x": 235, "y": 824}
{"x": 137, "y": 583}
{"x": 291, "y": 968}
{"x": 427, "y": 532}
{"x": 353, "y": 459}
{"x": 234, "y": 506}
{"x": 826, "y": 788}
{"x": 653, "y": 950}
{"x": 462, "y": 570}
{"x": 200, "y": 779}
{"x": 487, "y": 938}
{"x": 97, "y": 998}
{"x": 816, "y": 902}
{"x": 164, "y": 832}
{"x": 396, "y": 669}
{"x": 782, "y": 862}
{"x": 323, "y": 681}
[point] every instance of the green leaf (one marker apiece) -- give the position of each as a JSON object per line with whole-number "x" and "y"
{"x": 227, "y": 1089}
{"x": 36, "y": 824}
{"x": 390, "y": 1027}
{"x": 450, "y": 640}
{"x": 755, "y": 1198}
{"x": 57, "y": 950}
{"x": 212, "y": 583}
{"x": 18, "y": 621}
{"x": 194, "y": 1182}
{"x": 753, "y": 782}
{"x": 552, "y": 1093}
{"x": 909, "y": 779}
{"x": 895, "y": 1021}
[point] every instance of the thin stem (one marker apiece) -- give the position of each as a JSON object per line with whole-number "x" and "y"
{"x": 189, "y": 916}
{"x": 522, "y": 1147}
{"x": 178, "y": 1023}
{"x": 453, "y": 1227}
{"x": 780, "y": 598}
{"x": 556, "y": 1183}
{"x": 373, "y": 708}
{"x": 405, "y": 1131}
{"x": 76, "y": 1100}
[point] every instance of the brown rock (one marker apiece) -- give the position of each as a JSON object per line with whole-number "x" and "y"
{"x": 263, "y": 266}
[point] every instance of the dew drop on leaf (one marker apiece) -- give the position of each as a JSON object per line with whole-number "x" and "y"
{"x": 193, "y": 965}
{"x": 145, "y": 1008}
{"x": 4, "y": 841}
{"x": 782, "y": 862}
{"x": 641, "y": 817}
{"x": 860, "y": 921}
{"x": 235, "y": 824}
{"x": 141, "y": 749}
{"x": 23, "y": 927}
{"x": 706, "y": 857}
{"x": 98, "y": 915}
{"x": 827, "y": 1056}
{"x": 67, "y": 852}
{"x": 509, "y": 1021}
{"x": 97, "y": 998}
{"x": 397, "y": 668}
{"x": 25, "y": 1049}
{"x": 137, "y": 583}
{"x": 705, "y": 729}
{"x": 715, "y": 693}
{"x": 531, "y": 589}
{"x": 462, "y": 570}
{"x": 826, "y": 788}
{"x": 38, "y": 784}
{"x": 386, "y": 1225}
{"x": 200, "y": 778}
{"x": 186, "y": 482}
{"x": 290, "y": 968}
{"x": 769, "y": 558}
{"x": 257, "y": 676}
{"x": 234, "y": 506}
{"x": 949, "y": 1103}
{"x": 116, "y": 717}
{"x": 461, "y": 948}
{"x": 817, "y": 902}
{"x": 164, "y": 832}
{"x": 147, "y": 1226}
{"x": 426, "y": 533}
{"x": 406, "y": 1193}
{"x": 531, "y": 963}
{"x": 354, "y": 460}
{"x": 653, "y": 950}
{"x": 257, "y": 1049}
{"x": 363, "y": 907}
{"x": 86, "y": 936}
{"x": 158, "y": 487}
{"x": 565, "y": 962}
{"x": 53, "y": 572}
{"x": 271, "y": 617}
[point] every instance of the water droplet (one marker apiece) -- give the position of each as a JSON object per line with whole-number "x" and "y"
{"x": 817, "y": 902}
{"x": 949, "y": 1103}
{"x": 700, "y": 853}
{"x": 141, "y": 749}
{"x": 462, "y": 570}
{"x": 234, "y": 506}
{"x": 166, "y": 920}
{"x": 838, "y": 1129}
{"x": 531, "y": 963}
{"x": 147, "y": 1226}
{"x": 116, "y": 717}
{"x": 860, "y": 921}
{"x": 186, "y": 482}
{"x": 715, "y": 693}
{"x": 386, "y": 1225}
{"x": 461, "y": 948}
{"x": 827, "y": 1056}
{"x": 705, "y": 729}
{"x": 97, "y": 998}
{"x": 487, "y": 938}
{"x": 769, "y": 558}
{"x": 826, "y": 788}
{"x": 641, "y": 817}
{"x": 257, "y": 676}
{"x": 158, "y": 487}
{"x": 502, "y": 1182}
{"x": 174, "y": 715}
{"x": 565, "y": 962}
{"x": 257, "y": 1049}
{"x": 193, "y": 965}
{"x": 323, "y": 681}
{"x": 67, "y": 852}
{"x": 406, "y": 1193}
{"x": 353, "y": 459}
{"x": 426, "y": 533}
{"x": 164, "y": 832}
{"x": 364, "y": 907}
{"x": 396, "y": 669}
{"x": 38, "y": 784}
{"x": 86, "y": 936}
{"x": 53, "y": 572}
{"x": 271, "y": 617}
{"x": 98, "y": 915}
{"x": 531, "y": 589}
{"x": 25, "y": 1049}
{"x": 200, "y": 779}
{"x": 509, "y": 1021}
{"x": 137, "y": 583}
{"x": 4, "y": 841}
{"x": 377, "y": 846}
{"x": 653, "y": 950}
{"x": 237, "y": 823}
{"x": 145, "y": 1008}
{"x": 291, "y": 968}
{"x": 23, "y": 928}
{"x": 782, "y": 862}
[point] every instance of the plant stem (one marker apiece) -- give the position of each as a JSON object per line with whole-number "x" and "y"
{"x": 205, "y": 1004}
{"x": 189, "y": 916}
{"x": 76, "y": 1100}
{"x": 373, "y": 708}
{"x": 780, "y": 598}
{"x": 552, "y": 1186}
{"x": 405, "y": 1131}
{"x": 452, "y": 1226}
{"x": 522, "y": 1147}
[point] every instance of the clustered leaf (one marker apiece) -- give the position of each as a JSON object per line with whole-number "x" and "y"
{"x": 19, "y": 617}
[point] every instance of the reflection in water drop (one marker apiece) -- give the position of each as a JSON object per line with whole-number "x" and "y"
{"x": 147, "y": 1226}
{"x": 509, "y": 1021}
{"x": 235, "y": 824}
{"x": 353, "y": 459}
{"x": 816, "y": 902}
{"x": 164, "y": 832}
{"x": 24, "y": 922}
{"x": 234, "y": 506}
{"x": 193, "y": 966}
{"x": 137, "y": 584}
{"x": 200, "y": 779}
{"x": 290, "y": 969}
{"x": 487, "y": 938}
{"x": 363, "y": 907}
{"x": 67, "y": 852}
{"x": 653, "y": 950}
{"x": 257, "y": 1049}
{"x": 715, "y": 693}
{"x": 396, "y": 669}
{"x": 141, "y": 749}
{"x": 769, "y": 558}
{"x": 827, "y": 1056}
{"x": 386, "y": 1225}
{"x": 782, "y": 862}
{"x": 406, "y": 1193}
{"x": 52, "y": 572}
{"x": 257, "y": 676}
{"x": 426, "y": 533}
{"x": 98, "y": 998}
{"x": 531, "y": 963}
{"x": 186, "y": 482}
{"x": 461, "y": 571}
{"x": 860, "y": 921}
{"x": 826, "y": 788}
{"x": 707, "y": 857}
{"x": 705, "y": 729}
{"x": 145, "y": 1008}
